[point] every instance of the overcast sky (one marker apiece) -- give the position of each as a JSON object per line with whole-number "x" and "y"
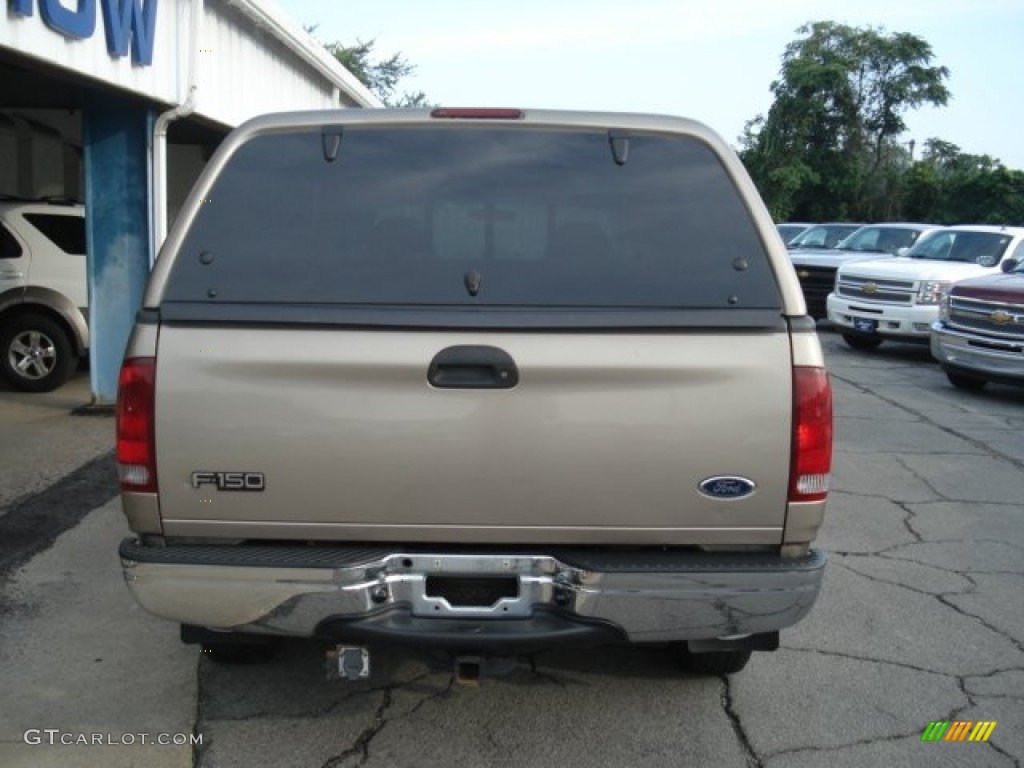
{"x": 706, "y": 60}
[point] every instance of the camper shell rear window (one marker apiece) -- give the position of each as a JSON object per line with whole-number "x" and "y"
{"x": 481, "y": 218}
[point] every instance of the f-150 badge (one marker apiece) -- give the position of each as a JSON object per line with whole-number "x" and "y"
{"x": 230, "y": 481}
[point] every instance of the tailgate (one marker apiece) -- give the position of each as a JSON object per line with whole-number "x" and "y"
{"x": 606, "y": 437}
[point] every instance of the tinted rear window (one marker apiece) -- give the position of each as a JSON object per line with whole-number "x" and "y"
{"x": 66, "y": 232}
{"x": 462, "y": 216}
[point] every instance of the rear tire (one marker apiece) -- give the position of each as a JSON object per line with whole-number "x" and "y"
{"x": 36, "y": 354}
{"x": 858, "y": 341}
{"x": 965, "y": 381}
{"x": 714, "y": 663}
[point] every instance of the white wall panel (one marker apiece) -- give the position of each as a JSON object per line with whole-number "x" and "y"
{"x": 252, "y": 60}
{"x": 245, "y": 71}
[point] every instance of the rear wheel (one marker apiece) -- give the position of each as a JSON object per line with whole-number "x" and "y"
{"x": 36, "y": 354}
{"x": 714, "y": 663}
{"x": 859, "y": 341}
{"x": 965, "y": 381}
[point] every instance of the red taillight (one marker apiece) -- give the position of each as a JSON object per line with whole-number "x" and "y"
{"x": 136, "y": 455}
{"x": 812, "y": 435}
{"x": 477, "y": 113}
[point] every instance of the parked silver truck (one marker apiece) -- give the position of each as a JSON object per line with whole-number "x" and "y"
{"x": 486, "y": 380}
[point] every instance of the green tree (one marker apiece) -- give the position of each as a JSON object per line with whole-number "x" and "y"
{"x": 830, "y": 143}
{"x": 953, "y": 187}
{"x": 381, "y": 76}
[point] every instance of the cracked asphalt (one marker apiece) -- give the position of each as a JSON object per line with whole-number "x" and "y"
{"x": 921, "y": 618}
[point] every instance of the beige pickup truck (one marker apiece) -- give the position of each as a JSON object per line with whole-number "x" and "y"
{"x": 484, "y": 380}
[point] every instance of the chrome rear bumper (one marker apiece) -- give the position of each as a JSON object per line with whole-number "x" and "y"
{"x": 654, "y": 596}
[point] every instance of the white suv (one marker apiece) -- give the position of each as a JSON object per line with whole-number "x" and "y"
{"x": 898, "y": 298}
{"x": 43, "y": 292}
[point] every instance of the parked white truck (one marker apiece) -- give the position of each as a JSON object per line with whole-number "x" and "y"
{"x": 898, "y": 298}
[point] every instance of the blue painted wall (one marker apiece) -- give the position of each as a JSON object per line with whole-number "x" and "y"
{"x": 116, "y": 133}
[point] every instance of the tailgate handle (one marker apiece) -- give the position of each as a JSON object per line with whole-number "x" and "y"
{"x": 473, "y": 367}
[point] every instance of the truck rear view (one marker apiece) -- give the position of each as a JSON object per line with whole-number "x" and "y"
{"x": 485, "y": 380}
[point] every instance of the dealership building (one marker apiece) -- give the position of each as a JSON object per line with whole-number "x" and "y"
{"x": 119, "y": 104}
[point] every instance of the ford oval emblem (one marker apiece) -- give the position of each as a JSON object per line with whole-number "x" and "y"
{"x": 727, "y": 487}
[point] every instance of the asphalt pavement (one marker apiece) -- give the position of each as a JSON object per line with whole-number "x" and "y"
{"x": 41, "y": 441}
{"x": 921, "y": 619}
